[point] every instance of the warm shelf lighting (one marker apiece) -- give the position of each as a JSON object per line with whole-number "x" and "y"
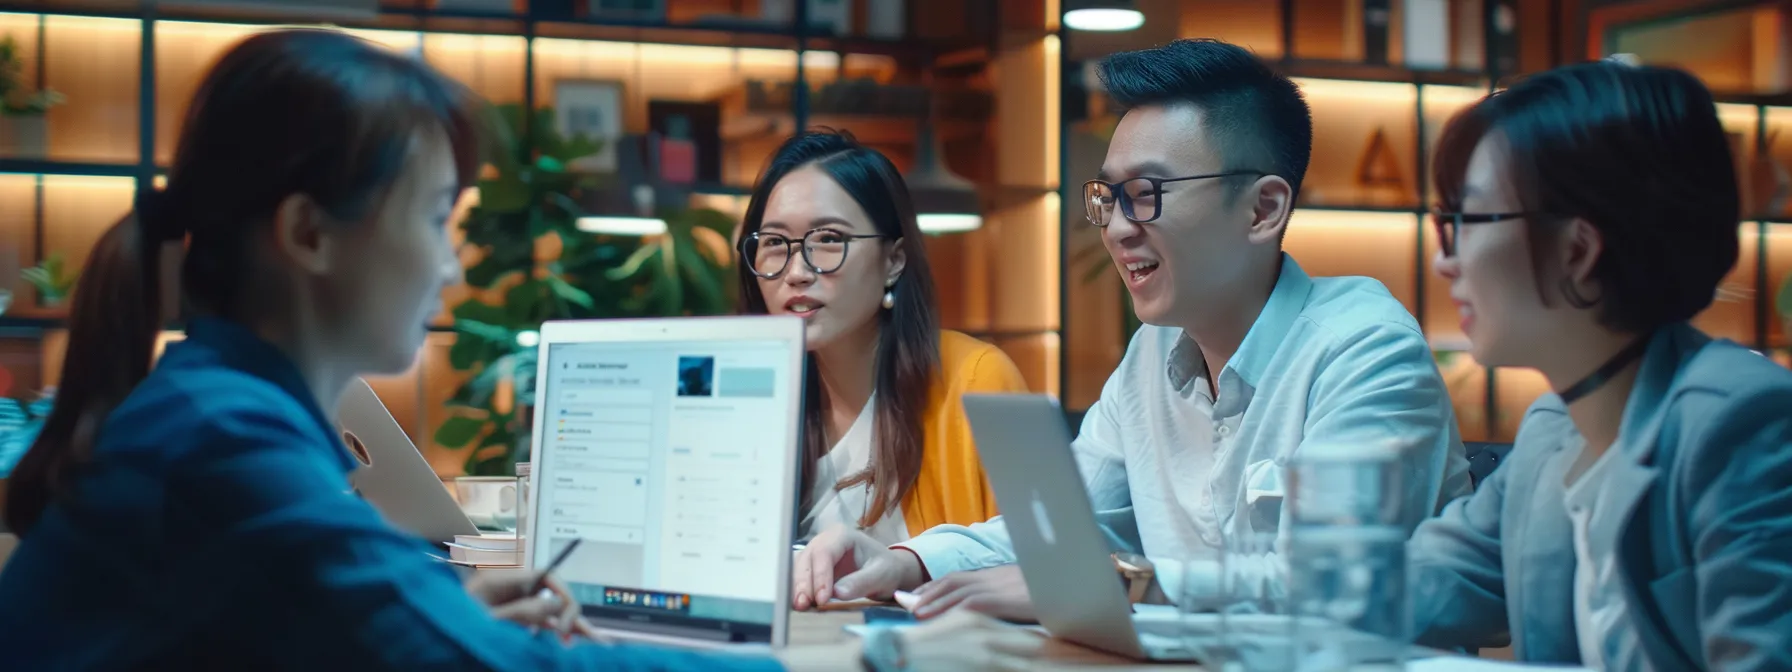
{"x": 1103, "y": 15}
{"x": 621, "y": 225}
{"x": 934, "y": 222}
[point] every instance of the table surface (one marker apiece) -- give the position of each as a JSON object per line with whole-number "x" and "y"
{"x": 828, "y": 627}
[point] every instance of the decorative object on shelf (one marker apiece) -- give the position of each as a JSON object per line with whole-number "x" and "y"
{"x": 1769, "y": 178}
{"x": 643, "y": 11}
{"x": 1377, "y": 15}
{"x": 532, "y": 251}
{"x": 1379, "y": 168}
{"x": 1102, "y": 15}
{"x": 20, "y": 423}
{"x": 24, "y": 129}
{"x": 690, "y": 130}
{"x": 1502, "y": 37}
{"x": 480, "y": 6}
{"x": 53, "y": 280}
{"x": 944, "y": 202}
{"x": 1426, "y": 34}
{"x": 825, "y": 16}
{"x": 886, "y": 19}
{"x": 590, "y": 109}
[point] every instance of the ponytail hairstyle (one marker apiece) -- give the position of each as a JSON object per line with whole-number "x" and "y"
{"x": 908, "y": 333}
{"x": 303, "y": 111}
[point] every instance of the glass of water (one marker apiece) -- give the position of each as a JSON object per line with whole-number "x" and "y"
{"x": 1348, "y": 523}
{"x": 1235, "y": 608}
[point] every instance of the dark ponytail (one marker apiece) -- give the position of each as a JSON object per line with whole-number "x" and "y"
{"x": 313, "y": 112}
{"x": 114, "y": 317}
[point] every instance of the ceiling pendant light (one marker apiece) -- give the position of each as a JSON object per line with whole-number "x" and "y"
{"x": 1102, "y": 15}
{"x": 944, "y": 202}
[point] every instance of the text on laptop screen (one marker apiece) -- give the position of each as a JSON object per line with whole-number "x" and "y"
{"x": 667, "y": 459}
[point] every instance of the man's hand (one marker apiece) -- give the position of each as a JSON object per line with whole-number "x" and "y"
{"x": 998, "y": 591}
{"x": 848, "y": 564}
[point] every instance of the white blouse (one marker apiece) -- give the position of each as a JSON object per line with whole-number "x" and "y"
{"x": 835, "y": 508}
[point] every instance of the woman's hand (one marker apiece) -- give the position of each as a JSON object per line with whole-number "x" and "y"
{"x": 506, "y": 592}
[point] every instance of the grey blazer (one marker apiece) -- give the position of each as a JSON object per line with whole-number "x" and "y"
{"x": 1699, "y": 509}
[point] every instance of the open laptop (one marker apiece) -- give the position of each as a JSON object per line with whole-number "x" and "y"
{"x": 669, "y": 447}
{"x": 393, "y": 476}
{"x": 1065, "y": 558}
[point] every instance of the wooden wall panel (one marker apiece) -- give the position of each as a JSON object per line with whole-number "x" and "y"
{"x": 1732, "y": 314}
{"x": 1364, "y": 144}
{"x": 1037, "y": 358}
{"x": 1779, "y": 266}
{"x": 1023, "y": 262}
{"x": 94, "y": 62}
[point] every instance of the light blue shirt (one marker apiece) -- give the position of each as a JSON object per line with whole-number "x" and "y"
{"x": 1171, "y": 471}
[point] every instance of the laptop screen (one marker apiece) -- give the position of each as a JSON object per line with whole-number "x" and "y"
{"x": 668, "y": 460}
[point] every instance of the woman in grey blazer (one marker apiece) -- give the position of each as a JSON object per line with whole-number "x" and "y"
{"x": 1644, "y": 517}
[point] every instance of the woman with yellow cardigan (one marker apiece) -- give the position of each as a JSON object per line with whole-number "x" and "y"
{"x": 830, "y": 235}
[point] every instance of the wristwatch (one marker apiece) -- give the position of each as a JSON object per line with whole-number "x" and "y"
{"x": 882, "y": 650}
{"x": 1136, "y": 573}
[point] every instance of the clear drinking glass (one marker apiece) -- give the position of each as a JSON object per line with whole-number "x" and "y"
{"x": 1347, "y": 557}
{"x": 1234, "y": 609}
{"x": 522, "y": 503}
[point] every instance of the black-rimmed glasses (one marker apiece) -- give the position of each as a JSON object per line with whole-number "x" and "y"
{"x": 1137, "y": 196}
{"x": 824, "y": 250}
{"x": 1449, "y": 225}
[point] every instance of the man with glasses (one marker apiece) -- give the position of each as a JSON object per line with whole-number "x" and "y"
{"x": 1193, "y": 199}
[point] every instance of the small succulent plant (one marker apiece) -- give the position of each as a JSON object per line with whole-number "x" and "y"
{"x": 52, "y": 279}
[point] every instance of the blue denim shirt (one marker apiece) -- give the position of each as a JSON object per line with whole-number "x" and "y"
{"x": 215, "y": 528}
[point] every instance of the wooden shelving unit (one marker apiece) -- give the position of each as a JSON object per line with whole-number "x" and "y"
{"x": 129, "y": 71}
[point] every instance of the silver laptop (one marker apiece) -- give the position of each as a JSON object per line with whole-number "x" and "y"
{"x": 393, "y": 476}
{"x": 668, "y": 447}
{"x": 1065, "y": 558}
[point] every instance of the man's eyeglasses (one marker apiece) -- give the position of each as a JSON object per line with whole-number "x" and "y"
{"x": 824, "y": 250}
{"x": 1137, "y": 197}
{"x": 1449, "y": 225}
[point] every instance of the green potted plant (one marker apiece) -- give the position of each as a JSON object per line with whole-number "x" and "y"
{"x": 23, "y": 129}
{"x": 53, "y": 280}
{"x": 531, "y": 249}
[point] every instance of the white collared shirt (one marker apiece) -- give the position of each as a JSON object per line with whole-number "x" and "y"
{"x": 1171, "y": 471}
{"x": 836, "y": 507}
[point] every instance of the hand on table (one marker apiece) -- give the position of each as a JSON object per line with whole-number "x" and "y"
{"x": 506, "y": 594}
{"x": 848, "y": 564}
{"x": 998, "y": 591}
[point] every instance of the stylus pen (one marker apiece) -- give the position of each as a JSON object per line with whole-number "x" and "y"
{"x": 542, "y": 582}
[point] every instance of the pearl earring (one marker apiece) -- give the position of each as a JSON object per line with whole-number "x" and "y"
{"x": 889, "y": 296}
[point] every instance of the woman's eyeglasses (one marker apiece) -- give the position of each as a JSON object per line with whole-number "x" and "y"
{"x": 768, "y": 255}
{"x": 1137, "y": 197}
{"x": 1449, "y": 225}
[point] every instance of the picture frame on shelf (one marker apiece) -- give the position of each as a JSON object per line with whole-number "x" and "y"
{"x": 591, "y": 108}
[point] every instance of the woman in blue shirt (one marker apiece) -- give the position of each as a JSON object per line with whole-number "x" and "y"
{"x": 1643, "y": 520}
{"x": 198, "y": 516}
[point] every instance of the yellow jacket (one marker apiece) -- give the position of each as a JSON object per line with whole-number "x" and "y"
{"x": 951, "y": 488}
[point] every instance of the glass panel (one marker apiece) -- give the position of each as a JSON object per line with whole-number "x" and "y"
{"x": 1770, "y": 180}
{"x": 1779, "y": 269}
{"x": 1741, "y": 124}
{"x": 1466, "y": 381}
{"x": 93, "y": 64}
{"x": 491, "y": 65}
{"x": 76, "y": 212}
{"x": 1036, "y": 355}
{"x": 1364, "y": 144}
{"x": 621, "y": 88}
{"x": 1515, "y": 390}
{"x": 185, "y": 53}
{"x": 1373, "y": 244}
{"x": 1732, "y": 313}
{"x": 1253, "y": 25}
{"x": 1440, "y": 104}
